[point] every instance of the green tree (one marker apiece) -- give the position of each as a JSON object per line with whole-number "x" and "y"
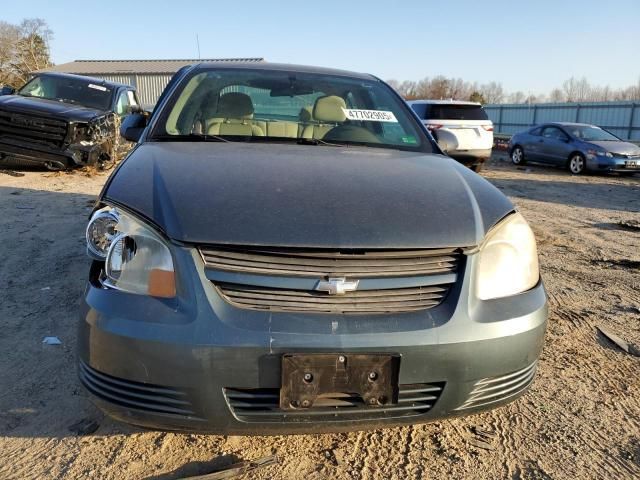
{"x": 477, "y": 97}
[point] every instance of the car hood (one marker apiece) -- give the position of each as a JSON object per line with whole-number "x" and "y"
{"x": 621, "y": 148}
{"x": 44, "y": 107}
{"x": 306, "y": 196}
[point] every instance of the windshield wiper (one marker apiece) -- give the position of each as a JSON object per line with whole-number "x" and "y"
{"x": 191, "y": 137}
{"x": 317, "y": 141}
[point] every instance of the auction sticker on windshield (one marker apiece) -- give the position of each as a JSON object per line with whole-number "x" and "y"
{"x": 370, "y": 115}
{"x": 97, "y": 87}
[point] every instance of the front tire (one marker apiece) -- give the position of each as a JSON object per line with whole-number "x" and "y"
{"x": 477, "y": 167}
{"x": 517, "y": 156}
{"x": 577, "y": 164}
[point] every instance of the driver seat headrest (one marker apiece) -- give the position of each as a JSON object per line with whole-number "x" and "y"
{"x": 235, "y": 105}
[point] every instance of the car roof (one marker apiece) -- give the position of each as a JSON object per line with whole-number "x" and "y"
{"x": 97, "y": 81}
{"x": 568, "y": 124}
{"x": 446, "y": 102}
{"x": 283, "y": 67}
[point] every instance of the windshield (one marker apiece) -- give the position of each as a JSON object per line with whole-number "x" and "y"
{"x": 69, "y": 90}
{"x": 591, "y": 134}
{"x": 259, "y": 105}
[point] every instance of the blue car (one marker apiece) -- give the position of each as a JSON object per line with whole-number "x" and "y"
{"x": 576, "y": 146}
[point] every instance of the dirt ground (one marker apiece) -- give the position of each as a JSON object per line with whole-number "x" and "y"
{"x": 581, "y": 418}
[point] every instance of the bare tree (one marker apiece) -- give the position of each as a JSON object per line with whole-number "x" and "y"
{"x": 576, "y": 90}
{"x": 32, "y": 50}
{"x": 9, "y": 36}
{"x": 556, "y": 96}
{"x": 492, "y": 92}
{"x": 24, "y": 49}
{"x": 516, "y": 97}
{"x": 572, "y": 90}
{"x": 408, "y": 89}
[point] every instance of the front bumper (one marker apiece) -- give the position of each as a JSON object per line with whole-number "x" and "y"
{"x": 471, "y": 157}
{"x": 194, "y": 363}
{"x": 56, "y": 159}
{"x": 614, "y": 165}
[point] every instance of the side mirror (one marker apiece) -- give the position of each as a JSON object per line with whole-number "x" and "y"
{"x": 132, "y": 126}
{"x": 134, "y": 109}
{"x": 7, "y": 90}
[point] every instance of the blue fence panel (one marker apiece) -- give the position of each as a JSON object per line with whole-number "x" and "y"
{"x": 621, "y": 118}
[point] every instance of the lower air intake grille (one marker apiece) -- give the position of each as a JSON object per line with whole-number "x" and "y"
{"x": 136, "y": 395}
{"x": 498, "y": 389}
{"x": 364, "y": 301}
{"x": 262, "y": 405}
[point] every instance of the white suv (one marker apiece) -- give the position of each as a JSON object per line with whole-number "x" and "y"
{"x": 465, "y": 125}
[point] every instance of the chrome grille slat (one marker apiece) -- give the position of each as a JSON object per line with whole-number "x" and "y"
{"x": 42, "y": 130}
{"x": 311, "y": 263}
{"x": 365, "y": 301}
{"x": 437, "y": 266}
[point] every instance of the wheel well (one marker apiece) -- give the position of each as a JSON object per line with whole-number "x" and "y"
{"x": 575, "y": 152}
{"x": 517, "y": 145}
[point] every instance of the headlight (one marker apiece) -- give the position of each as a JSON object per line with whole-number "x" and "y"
{"x": 599, "y": 153}
{"x": 137, "y": 260}
{"x": 508, "y": 262}
{"x": 101, "y": 231}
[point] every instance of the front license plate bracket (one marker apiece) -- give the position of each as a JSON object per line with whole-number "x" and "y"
{"x": 305, "y": 377}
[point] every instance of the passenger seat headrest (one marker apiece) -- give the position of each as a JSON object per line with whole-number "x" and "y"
{"x": 235, "y": 105}
{"x": 329, "y": 109}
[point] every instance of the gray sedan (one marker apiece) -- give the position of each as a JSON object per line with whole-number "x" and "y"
{"x": 287, "y": 250}
{"x": 577, "y": 146}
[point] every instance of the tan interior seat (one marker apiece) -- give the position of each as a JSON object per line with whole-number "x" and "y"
{"x": 282, "y": 129}
{"x": 234, "y": 117}
{"x": 327, "y": 114}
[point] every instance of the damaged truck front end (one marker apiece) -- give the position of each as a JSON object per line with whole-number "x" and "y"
{"x": 94, "y": 142}
{"x": 62, "y": 121}
{"x": 26, "y": 140}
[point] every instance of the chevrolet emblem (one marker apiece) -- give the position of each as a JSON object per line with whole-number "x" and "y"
{"x": 337, "y": 286}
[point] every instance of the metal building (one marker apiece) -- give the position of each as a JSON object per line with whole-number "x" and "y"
{"x": 620, "y": 118}
{"x": 148, "y": 76}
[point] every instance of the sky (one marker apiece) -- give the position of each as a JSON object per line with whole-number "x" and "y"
{"x": 531, "y": 46}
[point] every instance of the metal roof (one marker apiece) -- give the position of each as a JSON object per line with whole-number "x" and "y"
{"x": 286, "y": 67}
{"x": 168, "y": 66}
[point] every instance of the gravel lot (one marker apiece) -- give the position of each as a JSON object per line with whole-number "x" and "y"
{"x": 581, "y": 419}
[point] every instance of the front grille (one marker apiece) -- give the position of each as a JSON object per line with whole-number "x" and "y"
{"x": 320, "y": 263}
{"x": 364, "y": 301}
{"x": 136, "y": 395}
{"x": 36, "y": 130}
{"x": 630, "y": 156}
{"x": 262, "y": 405}
{"x": 497, "y": 389}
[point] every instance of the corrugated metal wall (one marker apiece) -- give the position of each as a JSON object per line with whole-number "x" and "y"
{"x": 620, "y": 118}
{"x": 128, "y": 79}
{"x": 149, "y": 86}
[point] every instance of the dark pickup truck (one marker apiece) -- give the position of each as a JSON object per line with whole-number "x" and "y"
{"x": 61, "y": 121}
